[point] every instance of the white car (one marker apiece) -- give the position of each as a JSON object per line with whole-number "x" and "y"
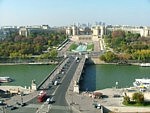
{"x": 50, "y": 100}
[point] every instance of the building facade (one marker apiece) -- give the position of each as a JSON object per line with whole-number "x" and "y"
{"x": 97, "y": 31}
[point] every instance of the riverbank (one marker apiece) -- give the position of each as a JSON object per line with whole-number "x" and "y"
{"x": 111, "y": 101}
{"x": 97, "y": 61}
{"x": 36, "y": 63}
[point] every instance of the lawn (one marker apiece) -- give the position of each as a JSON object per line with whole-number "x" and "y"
{"x": 73, "y": 47}
{"x": 90, "y": 47}
{"x": 132, "y": 103}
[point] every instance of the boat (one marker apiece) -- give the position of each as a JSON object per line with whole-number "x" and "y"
{"x": 145, "y": 64}
{"x": 5, "y": 79}
{"x": 142, "y": 83}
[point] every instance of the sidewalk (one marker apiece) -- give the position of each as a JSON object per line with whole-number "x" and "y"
{"x": 20, "y": 99}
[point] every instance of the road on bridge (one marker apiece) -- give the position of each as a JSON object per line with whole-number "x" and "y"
{"x": 60, "y": 105}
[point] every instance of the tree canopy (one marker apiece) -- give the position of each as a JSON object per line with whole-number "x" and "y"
{"x": 128, "y": 46}
{"x": 35, "y": 44}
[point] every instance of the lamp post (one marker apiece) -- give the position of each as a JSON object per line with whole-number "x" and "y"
{"x": 21, "y": 99}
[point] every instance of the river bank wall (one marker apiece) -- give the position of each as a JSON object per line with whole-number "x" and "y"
{"x": 96, "y": 61}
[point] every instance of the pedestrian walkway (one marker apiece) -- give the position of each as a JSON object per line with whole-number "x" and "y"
{"x": 60, "y": 107}
{"x": 33, "y": 106}
{"x": 44, "y": 108}
{"x": 129, "y": 109}
{"x": 21, "y": 99}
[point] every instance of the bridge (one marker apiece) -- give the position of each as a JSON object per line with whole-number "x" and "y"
{"x": 69, "y": 86}
{"x": 76, "y": 78}
{"x": 69, "y": 70}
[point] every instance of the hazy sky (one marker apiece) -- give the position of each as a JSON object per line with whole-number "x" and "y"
{"x": 66, "y": 12}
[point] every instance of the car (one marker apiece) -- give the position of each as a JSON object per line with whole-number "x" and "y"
{"x": 56, "y": 83}
{"x": 13, "y": 107}
{"x": 98, "y": 106}
{"x": 116, "y": 95}
{"x": 58, "y": 77}
{"x": 62, "y": 72}
{"x": 23, "y": 104}
{"x": 50, "y": 100}
{"x": 1, "y": 102}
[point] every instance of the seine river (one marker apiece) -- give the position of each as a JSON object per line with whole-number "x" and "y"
{"x": 24, "y": 74}
{"x": 105, "y": 76}
{"x": 96, "y": 76}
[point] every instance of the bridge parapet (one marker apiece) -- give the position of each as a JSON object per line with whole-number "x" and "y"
{"x": 77, "y": 75}
{"x": 48, "y": 79}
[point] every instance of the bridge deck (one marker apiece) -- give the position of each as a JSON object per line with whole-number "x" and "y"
{"x": 78, "y": 73}
{"x": 44, "y": 84}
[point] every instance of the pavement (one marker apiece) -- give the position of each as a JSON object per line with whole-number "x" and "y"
{"x": 83, "y": 103}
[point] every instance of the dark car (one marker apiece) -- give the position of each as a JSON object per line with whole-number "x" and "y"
{"x": 13, "y": 108}
{"x": 58, "y": 77}
{"x": 23, "y": 104}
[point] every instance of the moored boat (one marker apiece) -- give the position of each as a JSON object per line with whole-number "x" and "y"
{"x": 142, "y": 83}
{"x": 145, "y": 64}
{"x": 5, "y": 79}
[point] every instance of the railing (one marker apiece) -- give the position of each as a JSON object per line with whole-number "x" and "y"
{"x": 38, "y": 87}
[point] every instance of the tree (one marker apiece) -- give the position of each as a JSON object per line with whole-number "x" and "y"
{"x": 53, "y": 53}
{"x": 126, "y": 100}
{"x": 138, "y": 97}
{"x": 109, "y": 57}
{"x": 118, "y": 33}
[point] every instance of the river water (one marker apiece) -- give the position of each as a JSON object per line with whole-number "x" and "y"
{"x": 96, "y": 76}
{"x": 105, "y": 76}
{"x": 24, "y": 74}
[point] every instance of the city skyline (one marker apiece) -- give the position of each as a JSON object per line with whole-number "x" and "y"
{"x": 66, "y": 12}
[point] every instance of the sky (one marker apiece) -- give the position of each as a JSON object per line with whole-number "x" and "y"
{"x": 67, "y": 12}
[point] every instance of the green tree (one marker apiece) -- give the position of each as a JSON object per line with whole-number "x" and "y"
{"x": 138, "y": 97}
{"x": 126, "y": 100}
{"x": 109, "y": 57}
{"x": 53, "y": 53}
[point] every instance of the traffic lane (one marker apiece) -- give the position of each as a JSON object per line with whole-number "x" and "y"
{"x": 51, "y": 87}
{"x": 45, "y": 84}
{"x": 61, "y": 91}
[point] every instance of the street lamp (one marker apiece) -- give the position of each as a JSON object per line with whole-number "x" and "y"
{"x": 21, "y": 98}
